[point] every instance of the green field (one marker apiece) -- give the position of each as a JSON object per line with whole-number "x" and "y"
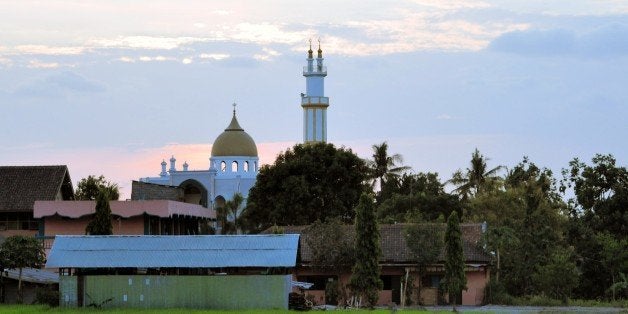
{"x": 27, "y": 309}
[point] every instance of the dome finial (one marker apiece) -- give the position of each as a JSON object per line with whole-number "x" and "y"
{"x": 309, "y": 52}
{"x": 320, "y": 51}
{"x": 234, "y": 108}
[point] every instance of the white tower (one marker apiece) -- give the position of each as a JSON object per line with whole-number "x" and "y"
{"x": 314, "y": 102}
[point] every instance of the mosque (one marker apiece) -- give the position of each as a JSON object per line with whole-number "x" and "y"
{"x": 234, "y": 162}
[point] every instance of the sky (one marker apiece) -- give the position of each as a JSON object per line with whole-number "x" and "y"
{"x": 115, "y": 87}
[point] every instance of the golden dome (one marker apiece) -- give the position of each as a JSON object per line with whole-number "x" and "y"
{"x": 234, "y": 142}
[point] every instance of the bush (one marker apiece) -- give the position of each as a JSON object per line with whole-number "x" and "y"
{"x": 495, "y": 293}
{"x": 48, "y": 295}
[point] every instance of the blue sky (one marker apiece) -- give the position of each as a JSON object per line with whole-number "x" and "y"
{"x": 114, "y": 87}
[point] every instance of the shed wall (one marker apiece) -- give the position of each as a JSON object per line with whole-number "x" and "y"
{"x": 218, "y": 292}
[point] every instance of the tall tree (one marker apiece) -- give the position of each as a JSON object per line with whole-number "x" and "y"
{"x": 601, "y": 191}
{"x": 383, "y": 166}
{"x": 365, "y": 281}
{"x": 476, "y": 179}
{"x": 499, "y": 239}
{"x": 88, "y": 188}
{"x": 598, "y": 221}
{"x": 306, "y": 183}
{"x": 425, "y": 242}
{"x": 19, "y": 252}
{"x": 101, "y": 223}
{"x": 455, "y": 278}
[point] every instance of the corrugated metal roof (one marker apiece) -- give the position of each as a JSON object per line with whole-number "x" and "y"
{"x": 174, "y": 251}
{"x": 33, "y": 275}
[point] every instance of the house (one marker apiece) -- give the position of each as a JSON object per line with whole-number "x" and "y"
{"x": 151, "y": 217}
{"x": 20, "y": 187}
{"x": 223, "y": 272}
{"x": 396, "y": 263}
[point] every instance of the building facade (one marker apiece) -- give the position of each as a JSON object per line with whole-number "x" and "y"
{"x": 233, "y": 167}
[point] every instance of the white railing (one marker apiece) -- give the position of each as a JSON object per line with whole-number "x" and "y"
{"x": 314, "y": 100}
{"x": 315, "y": 69}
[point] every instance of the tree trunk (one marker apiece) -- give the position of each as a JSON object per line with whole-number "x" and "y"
{"x": 613, "y": 277}
{"x": 498, "y": 269}
{"x": 20, "y": 298}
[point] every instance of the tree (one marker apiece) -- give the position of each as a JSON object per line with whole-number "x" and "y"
{"x": 88, "y": 188}
{"x": 476, "y": 179}
{"x": 601, "y": 191}
{"x": 410, "y": 196}
{"x": 307, "y": 183}
{"x": 455, "y": 278}
{"x": 498, "y": 240}
{"x": 18, "y": 252}
{"x": 384, "y": 166}
{"x": 101, "y": 223}
{"x": 598, "y": 221}
{"x": 332, "y": 245}
{"x": 365, "y": 281}
{"x": 425, "y": 242}
{"x": 614, "y": 257}
{"x": 558, "y": 277}
{"x": 229, "y": 214}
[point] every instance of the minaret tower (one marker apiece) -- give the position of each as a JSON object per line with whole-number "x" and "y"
{"x": 314, "y": 102}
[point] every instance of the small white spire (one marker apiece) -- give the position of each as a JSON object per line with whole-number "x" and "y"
{"x": 163, "y": 169}
{"x": 172, "y": 164}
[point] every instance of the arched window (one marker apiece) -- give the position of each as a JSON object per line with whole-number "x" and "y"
{"x": 255, "y": 166}
{"x": 223, "y": 166}
{"x": 234, "y": 166}
{"x": 246, "y": 166}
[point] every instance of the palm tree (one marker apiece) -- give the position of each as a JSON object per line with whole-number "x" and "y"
{"x": 476, "y": 179}
{"x": 384, "y": 167}
{"x": 230, "y": 212}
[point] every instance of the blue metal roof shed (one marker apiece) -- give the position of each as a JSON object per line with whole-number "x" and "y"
{"x": 141, "y": 251}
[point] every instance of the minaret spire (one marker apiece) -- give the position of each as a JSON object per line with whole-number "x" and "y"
{"x": 320, "y": 51}
{"x": 314, "y": 102}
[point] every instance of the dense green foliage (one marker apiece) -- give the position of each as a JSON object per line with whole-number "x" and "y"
{"x": 88, "y": 188}
{"x": 19, "y": 252}
{"x": 455, "y": 278}
{"x": 365, "y": 282}
{"x": 425, "y": 242}
{"x": 541, "y": 230}
{"x": 307, "y": 183}
{"x": 101, "y": 223}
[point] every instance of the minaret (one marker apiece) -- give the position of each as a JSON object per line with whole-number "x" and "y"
{"x": 314, "y": 102}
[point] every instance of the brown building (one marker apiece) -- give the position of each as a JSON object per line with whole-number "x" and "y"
{"x": 397, "y": 263}
{"x": 20, "y": 187}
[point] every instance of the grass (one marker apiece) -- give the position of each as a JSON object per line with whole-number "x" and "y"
{"x": 28, "y": 309}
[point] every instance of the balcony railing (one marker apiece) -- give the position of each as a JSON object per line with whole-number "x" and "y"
{"x": 314, "y": 100}
{"x": 315, "y": 70}
{"x": 46, "y": 241}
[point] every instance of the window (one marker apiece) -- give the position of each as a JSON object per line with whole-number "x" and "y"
{"x": 234, "y": 166}
{"x": 223, "y": 166}
{"x": 18, "y": 221}
{"x": 431, "y": 281}
{"x": 255, "y": 166}
{"x": 246, "y": 166}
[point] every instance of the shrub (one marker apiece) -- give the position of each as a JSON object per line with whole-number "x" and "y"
{"x": 495, "y": 293}
{"x": 48, "y": 295}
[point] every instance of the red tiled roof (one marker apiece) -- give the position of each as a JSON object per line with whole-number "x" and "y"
{"x": 393, "y": 243}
